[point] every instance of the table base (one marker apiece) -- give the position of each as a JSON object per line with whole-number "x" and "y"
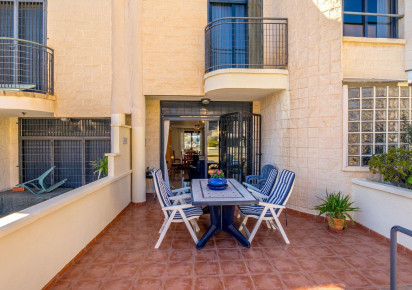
{"x": 222, "y": 220}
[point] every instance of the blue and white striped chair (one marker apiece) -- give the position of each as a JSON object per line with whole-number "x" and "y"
{"x": 270, "y": 208}
{"x": 186, "y": 213}
{"x": 263, "y": 193}
{"x": 258, "y": 181}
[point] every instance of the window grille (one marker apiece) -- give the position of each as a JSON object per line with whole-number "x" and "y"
{"x": 375, "y": 121}
{"x": 68, "y": 144}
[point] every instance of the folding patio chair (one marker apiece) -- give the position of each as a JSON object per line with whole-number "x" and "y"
{"x": 270, "y": 209}
{"x": 267, "y": 187}
{"x": 186, "y": 213}
{"x": 258, "y": 181}
{"x": 37, "y": 185}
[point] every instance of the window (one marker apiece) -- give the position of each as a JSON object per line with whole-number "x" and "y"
{"x": 23, "y": 20}
{"x": 370, "y": 18}
{"x": 375, "y": 121}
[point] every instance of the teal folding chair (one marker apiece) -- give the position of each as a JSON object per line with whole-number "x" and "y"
{"x": 38, "y": 186}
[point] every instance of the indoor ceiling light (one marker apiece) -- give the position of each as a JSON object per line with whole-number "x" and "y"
{"x": 205, "y": 101}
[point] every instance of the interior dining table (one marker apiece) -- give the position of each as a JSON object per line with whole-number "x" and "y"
{"x": 221, "y": 207}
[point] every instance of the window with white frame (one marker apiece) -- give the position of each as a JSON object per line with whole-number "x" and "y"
{"x": 376, "y": 117}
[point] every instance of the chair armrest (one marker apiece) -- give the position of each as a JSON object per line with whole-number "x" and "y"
{"x": 182, "y": 190}
{"x": 251, "y": 177}
{"x": 180, "y": 206}
{"x": 257, "y": 195}
{"x": 180, "y": 196}
{"x": 251, "y": 187}
{"x": 271, "y": 205}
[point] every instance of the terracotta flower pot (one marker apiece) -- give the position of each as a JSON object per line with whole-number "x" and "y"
{"x": 337, "y": 225}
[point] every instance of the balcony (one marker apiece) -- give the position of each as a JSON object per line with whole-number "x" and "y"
{"x": 26, "y": 77}
{"x": 246, "y": 57}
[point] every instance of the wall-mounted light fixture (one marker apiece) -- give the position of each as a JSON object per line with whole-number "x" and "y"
{"x": 205, "y": 101}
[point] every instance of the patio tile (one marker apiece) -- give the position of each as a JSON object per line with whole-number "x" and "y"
{"x": 124, "y": 270}
{"x": 293, "y": 280}
{"x": 124, "y": 257}
{"x": 209, "y": 283}
{"x": 87, "y": 284}
{"x": 267, "y": 281}
{"x": 152, "y": 270}
{"x": 148, "y": 284}
{"x": 179, "y": 283}
{"x": 238, "y": 282}
{"x": 229, "y": 254}
{"x": 259, "y": 266}
{"x": 207, "y": 268}
{"x": 231, "y": 268}
{"x": 180, "y": 269}
{"x": 117, "y": 284}
{"x": 353, "y": 279}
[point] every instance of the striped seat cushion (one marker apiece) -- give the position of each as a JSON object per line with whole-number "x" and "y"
{"x": 255, "y": 210}
{"x": 194, "y": 211}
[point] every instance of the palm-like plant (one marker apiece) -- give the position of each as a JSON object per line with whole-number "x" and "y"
{"x": 336, "y": 205}
{"x": 101, "y": 166}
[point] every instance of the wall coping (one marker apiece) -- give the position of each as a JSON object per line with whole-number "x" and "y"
{"x": 35, "y": 212}
{"x": 394, "y": 41}
{"x": 388, "y": 188}
{"x": 246, "y": 71}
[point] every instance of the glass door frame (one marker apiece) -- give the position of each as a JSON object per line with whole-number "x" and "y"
{"x": 194, "y": 118}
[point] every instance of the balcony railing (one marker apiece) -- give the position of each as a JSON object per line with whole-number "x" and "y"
{"x": 246, "y": 42}
{"x": 26, "y": 66}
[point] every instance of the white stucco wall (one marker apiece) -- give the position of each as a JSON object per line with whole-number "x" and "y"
{"x": 49, "y": 235}
{"x": 383, "y": 206}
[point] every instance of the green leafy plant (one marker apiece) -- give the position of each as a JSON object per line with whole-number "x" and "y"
{"x": 336, "y": 205}
{"x": 213, "y": 143}
{"x": 217, "y": 173}
{"x": 100, "y": 166}
{"x": 395, "y": 166}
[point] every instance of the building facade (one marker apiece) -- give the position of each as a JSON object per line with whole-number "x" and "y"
{"x": 329, "y": 78}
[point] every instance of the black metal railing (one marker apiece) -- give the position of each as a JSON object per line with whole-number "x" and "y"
{"x": 246, "y": 42}
{"x": 26, "y": 66}
{"x": 394, "y": 243}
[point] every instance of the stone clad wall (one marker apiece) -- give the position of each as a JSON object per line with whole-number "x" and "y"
{"x": 373, "y": 58}
{"x": 80, "y": 33}
{"x": 153, "y": 133}
{"x": 302, "y": 128}
{"x": 173, "y": 47}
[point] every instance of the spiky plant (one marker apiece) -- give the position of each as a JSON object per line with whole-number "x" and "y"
{"x": 336, "y": 205}
{"x": 101, "y": 166}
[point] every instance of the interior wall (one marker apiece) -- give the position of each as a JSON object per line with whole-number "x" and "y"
{"x": 4, "y": 153}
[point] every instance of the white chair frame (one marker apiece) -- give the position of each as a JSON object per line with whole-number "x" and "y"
{"x": 269, "y": 220}
{"x": 169, "y": 219}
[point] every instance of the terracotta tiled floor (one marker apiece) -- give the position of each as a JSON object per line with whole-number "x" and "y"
{"x": 124, "y": 258}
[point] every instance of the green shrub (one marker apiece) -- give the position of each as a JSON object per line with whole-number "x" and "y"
{"x": 395, "y": 166}
{"x": 101, "y": 166}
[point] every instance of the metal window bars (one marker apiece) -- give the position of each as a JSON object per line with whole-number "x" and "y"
{"x": 26, "y": 65}
{"x": 246, "y": 42}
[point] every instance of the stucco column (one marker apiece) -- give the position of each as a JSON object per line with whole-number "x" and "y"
{"x": 135, "y": 55}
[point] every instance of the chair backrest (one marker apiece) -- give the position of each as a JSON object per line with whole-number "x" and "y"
{"x": 283, "y": 188}
{"x": 162, "y": 189}
{"x": 266, "y": 169}
{"x": 270, "y": 182}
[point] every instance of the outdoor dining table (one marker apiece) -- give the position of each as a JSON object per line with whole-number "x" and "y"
{"x": 222, "y": 207}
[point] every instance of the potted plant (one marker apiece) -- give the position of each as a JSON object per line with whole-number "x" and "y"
{"x": 337, "y": 207}
{"x": 101, "y": 166}
{"x": 217, "y": 180}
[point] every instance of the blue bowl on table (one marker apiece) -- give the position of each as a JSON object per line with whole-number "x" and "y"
{"x": 217, "y": 183}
